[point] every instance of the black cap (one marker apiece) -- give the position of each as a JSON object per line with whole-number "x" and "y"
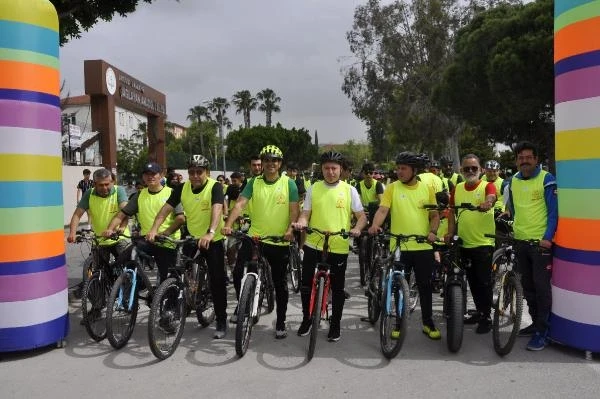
{"x": 152, "y": 167}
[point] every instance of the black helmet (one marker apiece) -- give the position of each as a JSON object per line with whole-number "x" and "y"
{"x": 332, "y": 156}
{"x": 409, "y": 158}
{"x": 198, "y": 161}
{"x": 445, "y": 161}
{"x": 424, "y": 159}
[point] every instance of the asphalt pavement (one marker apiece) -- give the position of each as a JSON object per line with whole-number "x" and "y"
{"x": 353, "y": 367}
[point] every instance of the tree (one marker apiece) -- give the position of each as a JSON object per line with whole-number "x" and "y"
{"x": 501, "y": 79}
{"x": 244, "y": 103}
{"x": 268, "y": 104}
{"x": 218, "y": 109}
{"x": 131, "y": 157}
{"x": 196, "y": 114}
{"x": 76, "y": 16}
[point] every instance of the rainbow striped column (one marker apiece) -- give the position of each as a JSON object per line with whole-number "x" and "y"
{"x": 33, "y": 273}
{"x": 576, "y": 274}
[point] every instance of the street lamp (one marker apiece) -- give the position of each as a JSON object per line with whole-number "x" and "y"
{"x": 224, "y": 164}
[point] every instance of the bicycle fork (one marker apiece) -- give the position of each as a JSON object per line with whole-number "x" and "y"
{"x": 313, "y": 294}
{"x": 254, "y": 311}
{"x": 132, "y": 291}
{"x": 389, "y": 282}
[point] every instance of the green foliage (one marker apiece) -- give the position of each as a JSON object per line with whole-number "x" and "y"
{"x": 131, "y": 158}
{"x": 472, "y": 142}
{"x": 355, "y": 152}
{"x": 244, "y": 103}
{"x": 269, "y": 103}
{"x": 294, "y": 143}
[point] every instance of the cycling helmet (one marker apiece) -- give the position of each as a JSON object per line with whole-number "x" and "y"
{"x": 332, "y": 156}
{"x": 494, "y": 165}
{"x": 368, "y": 167}
{"x": 424, "y": 159}
{"x": 435, "y": 164}
{"x": 271, "y": 151}
{"x": 445, "y": 161}
{"x": 198, "y": 161}
{"x": 409, "y": 158}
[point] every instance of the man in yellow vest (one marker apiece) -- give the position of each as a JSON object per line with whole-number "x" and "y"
{"x": 328, "y": 206}
{"x": 274, "y": 208}
{"x": 492, "y": 174}
{"x": 404, "y": 200}
{"x": 448, "y": 171}
{"x": 475, "y": 247}
{"x": 534, "y": 207}
{"x": 102, "y": 203}
{"x": 145, "y": 205}
{"x": 202, "y": 200}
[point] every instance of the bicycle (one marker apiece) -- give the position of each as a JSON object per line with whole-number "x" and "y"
{"x": 394, "y": 295}
{"x": 295, "y": 265}
{"x": 256, "y": 284}
{"x": 186, "y": 288}
{"x": 123, "y": 304}
{"x": 321, "y": 284}
{"x": 508, "y": 294}
{"x": 97, "y": 287}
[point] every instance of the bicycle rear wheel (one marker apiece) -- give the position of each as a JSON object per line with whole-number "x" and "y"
{"x": 374, "y": 295}
{"x": 508, "y": 310}
{"x": 243, "y": 328}
{"x": 93, "y": 306}
{"x": 167, "y": 318}
{"x": 413, "y": 292}
{"x": 295, "y": 268}
{"x": 121, "y": 310}
{"x": 362, "y": 260}
{"x": 394, "y": 319}
{"x": 454, "y": 314}
{"x": 316, "y": 318}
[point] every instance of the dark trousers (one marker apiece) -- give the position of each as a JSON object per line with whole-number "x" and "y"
{"x": 164, "y": 257}
{"x": 535, "y": 266}
{"x": 215, "y": 260}
{"x": 278, "y": 258}
{"x": 421, "y": 262}
{"x": 479, "y": 276}
{"x": 337, "y": 276}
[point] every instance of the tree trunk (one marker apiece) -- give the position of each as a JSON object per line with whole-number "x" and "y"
{"x": 268, "y": 118}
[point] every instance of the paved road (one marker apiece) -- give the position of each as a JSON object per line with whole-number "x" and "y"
{"x": 352, "y": 367}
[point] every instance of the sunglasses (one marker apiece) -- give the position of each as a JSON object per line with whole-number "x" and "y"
{"x": 470, "y": 169}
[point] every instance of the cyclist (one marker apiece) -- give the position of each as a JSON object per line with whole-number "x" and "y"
{"x": 202, "y": 200}
{"x": 144, "y": 205}
{"x": 492, "y": 174}
{"x": 231, "y": 196}
{"x": 101, "y": 203}
{"x": 448, "y": 171}
{"x": 328, "y": 206}
{"x": 431, "y": 179}
{"x": 475, "y": 247}
{"x": 274, "y": 208}
{"x": 404, "y": 200}
{"x": 534, "y": 207}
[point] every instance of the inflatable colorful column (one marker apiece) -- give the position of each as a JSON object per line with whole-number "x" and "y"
{"x": 33, "y": 273}
{"x": 576, "y": 274}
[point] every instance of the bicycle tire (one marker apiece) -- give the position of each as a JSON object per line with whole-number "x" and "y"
{"x": 362, "y": 259}
{"x": 93, "y": 306}
{"x": 243, "y": 328}
{"x": 316, "y": 318}
{"x": 88, "y": 268}
{"x": 205, "y": 309}
{"x": 454, "y": 314}
{"x": 374, "y": 300}
{"x": 169, "y": 309}
{"x": 120, "y": 320}
{"x": 295, "y": 268}
{"x": 394, "y": 324}
{"x": 507, "y": 314}
{"x": 413, "y": 296}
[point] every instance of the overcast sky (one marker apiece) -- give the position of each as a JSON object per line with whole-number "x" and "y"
{"x": 196, "y": 50}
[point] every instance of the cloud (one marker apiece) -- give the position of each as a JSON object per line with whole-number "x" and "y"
{"x": 195, "y": 50}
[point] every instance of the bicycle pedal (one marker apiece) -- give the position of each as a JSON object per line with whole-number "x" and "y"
{"x": 395, "y": 334}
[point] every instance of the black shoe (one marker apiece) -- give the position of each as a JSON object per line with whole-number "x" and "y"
{"x": 473, "y": 319}
{"x": 346, "y": 294}
{"x": 334, "y": 332}
{"x": 221, "y": 330}
{"x": 527, "y": 331}
{"x": 280, "y": 331}
{"x": 484, "y": 326}
{"x": 305, "y": 327}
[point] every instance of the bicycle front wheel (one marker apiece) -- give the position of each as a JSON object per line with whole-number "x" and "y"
{"x": 413, "y": 296}
{"x": 316, "y": 318}
{"x": 454, "y": 314}
{"x": 167, "y": 318}
{"x": 93, "y": 306}
{"x": 295, "y": 268}
{"x": 394, "y": 318}
{"x": 121, "y": 310}
{"x": 374, "y": 294}
{"x": 205, "y": 309}
{"x": 508, "y": 310}
{"x": 243, "y": 328}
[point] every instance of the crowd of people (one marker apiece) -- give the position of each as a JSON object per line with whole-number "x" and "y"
{"x": 280, "y": 202}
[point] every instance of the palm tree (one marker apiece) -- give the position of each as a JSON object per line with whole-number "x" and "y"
{"x": 269, "y": 103}
{"x": 195, "y": 115}
{"x": 244, "y": 103}
{"x": 218, "y": 109}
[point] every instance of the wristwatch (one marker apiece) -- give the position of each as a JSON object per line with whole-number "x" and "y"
{"x": 211, "y": 231}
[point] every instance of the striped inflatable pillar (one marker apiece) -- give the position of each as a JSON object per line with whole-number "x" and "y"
{"x": 576, "y": 274}
{"x": 33, "y": 273}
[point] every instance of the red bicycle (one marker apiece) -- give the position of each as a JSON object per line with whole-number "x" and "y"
{"x": 320, "y": 288}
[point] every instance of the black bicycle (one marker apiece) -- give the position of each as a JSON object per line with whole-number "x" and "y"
{"x": 295, "y": 265}
{"x": 187, "y": 288}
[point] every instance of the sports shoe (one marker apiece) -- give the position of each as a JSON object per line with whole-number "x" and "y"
{"x": 334, "y": 332}
{"x": 221, "y": 330}
{"x": 484, "y": 326}
{"x": 473, "y": 319}
{"x": 305, "y": 327}
{"x": 432, "y": 332}
{"x": 280, "y": 331}
{"x": 537, "y": 342}
{"x": 527, "y": 331}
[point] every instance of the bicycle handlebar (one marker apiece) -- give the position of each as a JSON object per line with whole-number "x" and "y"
{"x": 175, "y": 241}
{"x": 243, "y": 235}
{"x": 531, "y": 242}
{"x": 465, "y": 205}
{"x": 402, "y": 237}
{"x": 342, "y": 232}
